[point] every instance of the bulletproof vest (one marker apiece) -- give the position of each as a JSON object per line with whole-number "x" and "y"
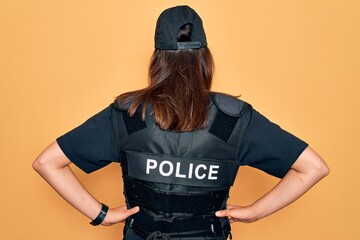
{"x": 180, "y": 179}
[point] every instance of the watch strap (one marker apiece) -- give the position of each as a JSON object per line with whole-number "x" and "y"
{"x": 101, "y": 216}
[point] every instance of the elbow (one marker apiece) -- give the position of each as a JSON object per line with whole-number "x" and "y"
{"x": 40, "y": 164}
{"x": 50, "y": 159}
{"x": 323, "y": 170}
{"x": 312, "y": 163}
{"x": 320, "y": 170}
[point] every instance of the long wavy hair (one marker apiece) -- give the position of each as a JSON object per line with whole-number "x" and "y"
{"x": 179, "y": 86}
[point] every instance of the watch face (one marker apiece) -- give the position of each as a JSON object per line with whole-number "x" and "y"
{"x": 101, "y": 215}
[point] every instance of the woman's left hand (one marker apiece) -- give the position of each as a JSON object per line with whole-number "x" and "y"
{"x": 119, "y": 214}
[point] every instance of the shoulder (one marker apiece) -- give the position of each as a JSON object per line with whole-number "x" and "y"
{"x": 120, "y": 105}
{"x": 229, "y": 105}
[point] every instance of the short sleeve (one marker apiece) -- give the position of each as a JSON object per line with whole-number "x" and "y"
{"x": 268, "y": 147}
{"x": 91, "y": 145}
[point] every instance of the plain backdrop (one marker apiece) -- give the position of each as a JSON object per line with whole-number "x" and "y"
{"x": 62, "y": 61}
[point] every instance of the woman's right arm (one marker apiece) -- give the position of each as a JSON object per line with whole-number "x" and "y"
{"x": 307, "y": 170}
{"x": 53, "y": 166}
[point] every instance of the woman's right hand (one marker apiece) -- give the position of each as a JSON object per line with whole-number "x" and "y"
{"x": 306, "y": 171}
{"x": 119, "y": 214}
{"x": 237, "y": 213}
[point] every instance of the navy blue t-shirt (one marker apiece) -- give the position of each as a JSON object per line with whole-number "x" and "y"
{"x": 265, "y": 145}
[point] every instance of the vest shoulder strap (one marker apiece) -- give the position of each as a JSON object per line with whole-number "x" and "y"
{"x": 122, "y": 106}
{"x": 228, "y": 104}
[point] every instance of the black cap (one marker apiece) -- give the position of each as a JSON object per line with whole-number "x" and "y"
{"x": 169, "y": 23}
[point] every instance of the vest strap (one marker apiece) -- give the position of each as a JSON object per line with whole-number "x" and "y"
{"x": 198, "y": 227}
{"x": 173, "y": 204}
{"x": 158, "y": 236}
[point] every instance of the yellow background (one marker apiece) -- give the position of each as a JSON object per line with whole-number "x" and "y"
{"x": 297, "y": 62}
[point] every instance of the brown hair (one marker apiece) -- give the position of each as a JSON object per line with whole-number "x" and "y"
{"x": 179, "y": 85}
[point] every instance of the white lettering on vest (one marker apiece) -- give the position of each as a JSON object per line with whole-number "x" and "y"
{"x": 150, "y": 164}
{"x": 190, "y": 170}
{"x": 161, "y": 168}
{"x": 166, "y": 169}
{"x": 197, "y": 171}
{"x": 213, "y": 172}
{"x": 177, "y": 174}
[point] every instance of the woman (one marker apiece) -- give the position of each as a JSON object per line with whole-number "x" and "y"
{"x": 179, "y": 146}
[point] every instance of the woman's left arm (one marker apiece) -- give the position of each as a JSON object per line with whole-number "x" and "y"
{"x": 53, "y": 165}
{"x": 307, "y": 170}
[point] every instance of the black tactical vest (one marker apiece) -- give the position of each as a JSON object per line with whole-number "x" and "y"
{"x": 179, "y": 180}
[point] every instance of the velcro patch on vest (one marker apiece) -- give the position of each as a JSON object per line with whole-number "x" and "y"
{"x": 183, "y": 171}
{"x": 133, "y": 124}
{"x": 223, "y": 125}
